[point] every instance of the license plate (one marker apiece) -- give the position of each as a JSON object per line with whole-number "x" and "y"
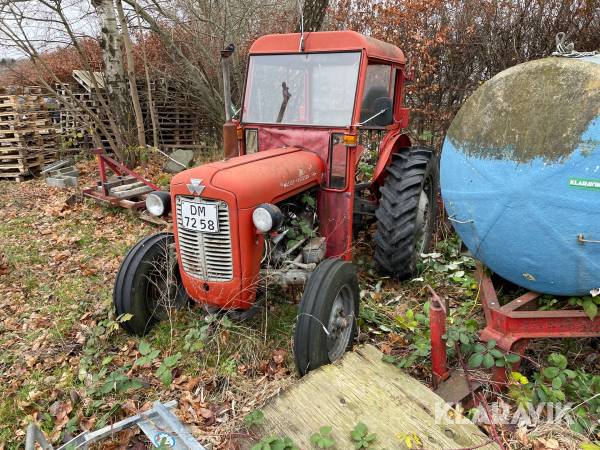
{"x": 200, "y": 217}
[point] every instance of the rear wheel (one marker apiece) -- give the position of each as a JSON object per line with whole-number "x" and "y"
{"x": 148, "y": 284}
{"x": 327, "y": 316}
{"x": 407, "y": 212}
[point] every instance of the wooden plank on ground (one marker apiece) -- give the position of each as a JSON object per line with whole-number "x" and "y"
{"x": 363, "y": 388}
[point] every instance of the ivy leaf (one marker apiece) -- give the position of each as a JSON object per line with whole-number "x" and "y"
{"x": 325, "y": 430}
{"x": 475, "y": 360}
{"x": 550, "y": 372}
{"x": 256, "y": 417}
{"x": 171, "y": 361}
{"x": 496, "y": 353}
{"x": 557, "y": 383}
{"x": 590, "y": 308}
{"x": 107, "y": 360}
{"x": 541, "y": 395}
{"x": 466, "y": 348}
{"x": 134, "y": 384}
{"x": 359, "y": 431}
{"x": 144, "y": 348}
{"x": 479, "y": 348}
{"x": 315, "y": 438}
{"x": 147, "y": 359}
{"x": 326, "y": 442}
{"x": 491, "y": 344}
{"x": 512, "y": 358}
{"x": 371, "y": 437}
{"x": 165, "y": 375}
{"x": 488, "y": 361}
{"x": 558, "y": 360}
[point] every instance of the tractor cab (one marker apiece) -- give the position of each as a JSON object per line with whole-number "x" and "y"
{"x": 319, "y": 91}
{"x": 287, "y": 202}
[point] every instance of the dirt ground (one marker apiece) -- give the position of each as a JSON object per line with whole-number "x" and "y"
{"x": 65, "y": 363}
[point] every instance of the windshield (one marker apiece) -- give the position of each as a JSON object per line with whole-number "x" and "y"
{"x": 302, "y": 89}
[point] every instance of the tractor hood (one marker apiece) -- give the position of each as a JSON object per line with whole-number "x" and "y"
{"x": 265, "y": 177}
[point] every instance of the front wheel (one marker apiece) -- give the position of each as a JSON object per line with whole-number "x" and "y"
{"x": 327, "y": 316}
{"x": 148, "y": 284}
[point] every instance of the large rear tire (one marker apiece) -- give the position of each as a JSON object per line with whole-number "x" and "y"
{"x": 407, "y": 212}
{"x": 327, "y": 315}
{"x": 148, "y": 284}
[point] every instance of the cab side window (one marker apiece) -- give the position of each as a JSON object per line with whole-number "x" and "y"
{"x": 379, "y": 86}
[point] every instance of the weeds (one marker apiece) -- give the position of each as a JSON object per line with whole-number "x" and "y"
{"x": 322, "y": 438}
{"x": 275, "y": 443}
{"x": 361, "y": 437}
{"x": 452, "y": 273}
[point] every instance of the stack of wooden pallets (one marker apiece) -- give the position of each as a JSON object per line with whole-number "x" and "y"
{"x": 74, "y": 123}
{"x": 181, "y": 123}
{"x": 27, "y": 134}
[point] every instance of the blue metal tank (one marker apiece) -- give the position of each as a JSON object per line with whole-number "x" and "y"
{"x": 520, "y": 175}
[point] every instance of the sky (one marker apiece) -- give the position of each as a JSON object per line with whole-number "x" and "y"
{"x": 40, "y": 24}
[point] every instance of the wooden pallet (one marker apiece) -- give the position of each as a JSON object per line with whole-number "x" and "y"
{"x": 363, "y": 388}
{"x": 27, "y": 136}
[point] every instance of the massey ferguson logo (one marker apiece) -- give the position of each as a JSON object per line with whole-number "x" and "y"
{"x": 195, "y": 187}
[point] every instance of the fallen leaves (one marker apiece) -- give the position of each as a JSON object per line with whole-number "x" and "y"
{"x": 546, "y": 444}
{"x": 56, "y": 278}
{"x": 56, "y": 266}
{"x": 61, "y": 256}
{"x": 60, "y": 411}
{"x": 193, "y": 410}
{"x": 274, "y": 368}
{"x": 3, "y": 264}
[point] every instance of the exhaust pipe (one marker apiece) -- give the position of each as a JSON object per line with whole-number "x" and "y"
{"x": 230, "y": 140}
{"x": 226, "y": 67}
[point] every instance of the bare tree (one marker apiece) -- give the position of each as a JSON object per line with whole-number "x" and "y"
{"x": 314, "y": 14}
{"x": 194, "y": 31}
{"x": 114, "y": 73}
{"x": 135, "y": 100}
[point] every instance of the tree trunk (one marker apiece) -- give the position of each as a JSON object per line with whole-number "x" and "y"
{"x": 314, "y": 14}
{"x": 150, "y": 99}
{"x": 133, "y": 91}
{"x": 114, "y": 73}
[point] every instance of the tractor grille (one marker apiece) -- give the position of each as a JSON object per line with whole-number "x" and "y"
{"x": 206, "y": 255}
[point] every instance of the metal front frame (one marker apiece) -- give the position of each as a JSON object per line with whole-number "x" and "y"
{"x": 512, "y": 326}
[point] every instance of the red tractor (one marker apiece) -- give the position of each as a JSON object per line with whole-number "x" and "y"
{"x": 320, "y": 155}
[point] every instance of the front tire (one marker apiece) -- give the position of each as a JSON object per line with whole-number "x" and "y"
{"x": 407, "y": 212}
{"x": 327, "y": 315}
{"x": 148, "y": 284}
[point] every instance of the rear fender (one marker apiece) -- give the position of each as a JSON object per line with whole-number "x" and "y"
{"x": 392, "y": 143}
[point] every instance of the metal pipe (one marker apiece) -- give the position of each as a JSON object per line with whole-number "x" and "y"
{"x": 35, "y": 436}
{"x": 226, "y": 67}
{"x": 437, "y": 324}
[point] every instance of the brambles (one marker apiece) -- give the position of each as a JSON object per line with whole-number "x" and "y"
{"x": 488, "y": 356}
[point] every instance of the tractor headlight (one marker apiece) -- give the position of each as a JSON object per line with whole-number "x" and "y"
{"x": 158, "y": 203}
{"x": 267, "y": 217}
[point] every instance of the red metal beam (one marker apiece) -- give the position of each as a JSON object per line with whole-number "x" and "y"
{"x": 508, "y": 324}
{"x": 118, "y": 168}
{"x": 437, "y": 326}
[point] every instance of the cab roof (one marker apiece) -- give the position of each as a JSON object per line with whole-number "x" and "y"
{"x": 327, "y": 41}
